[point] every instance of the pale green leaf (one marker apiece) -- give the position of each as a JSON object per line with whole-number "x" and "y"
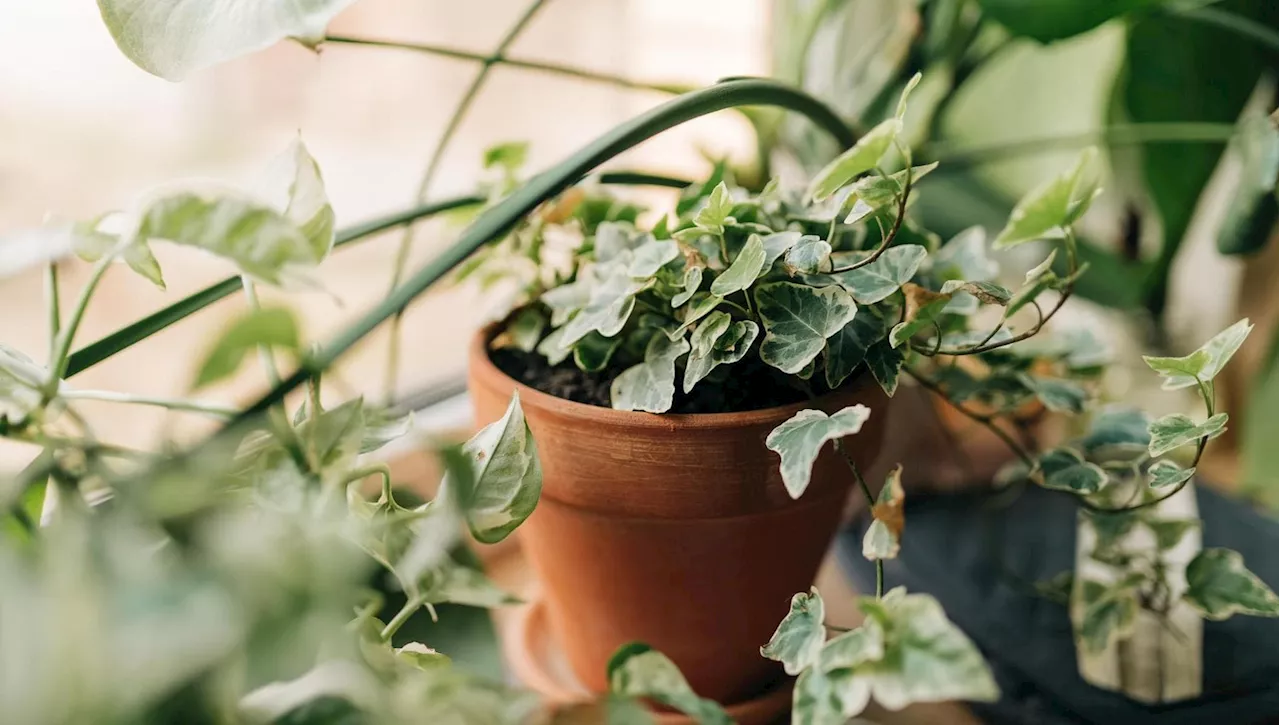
{"x": 272, "y": 327}
{"x": 701, "y": 305}
{"x": 21, "y": 380}
{"x": 809, "y": 255}
{"x": 1111, "y": 527}
{"x": 1117, "y": 432}
{"x": 506, "y": 476}
{"x": 879, "y": 542}
{"x": 923, "y": 309}
{"x": 381, "y": 428}
{"x": 457, "y": 584}
{"x": 964, "y": 256}
{"x": 333, "y": 438}
{"x": 692, "y": 281}
{"x": 874, "y": 193}
{"x": 613, "y": 240}
{"x": 799, "y": 439}
{"x": 523, "y": 331}
{"x": 744, "y": 269}
{"x": 611, "y": 303}
{"x": 140, "y": 259}
{"x": 776, "y": 245}
{"x": 1063, "y": 469}
{"x": 798, "y": 320}
{"x": 637, "y": 670}
{"x": 860, "y": 645}
{"x": 1047, "y": 209}
{"x": 1061, "y": 396}
{"x": 860, "y": 159}
{"x": 651, "y": 255}
{"x": 1219, "y": 585}
{"x": 1166, "y": 474}
{"x": 717, "y": 342}
{"x": 650, "y": 385}
{"x": 1108, "y": 614}
{"x": 1204, "y": 364}
{"x": 1174, "y": 431}
{"x": 1170, "y": 532}
{"x": 906, "y": 92}
{"x": 171, "y": 38}
{"x": 715, "y": 213}
{"x": 294, "y": 186}
{"x": 873, "y": 282}
{"x": 554, "y": 348}
{"x": 847, "y": 349}
{"x": 800, "y": 635}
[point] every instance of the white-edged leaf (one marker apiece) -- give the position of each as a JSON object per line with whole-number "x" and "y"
{"x": 1063, "y": 469}
{"x": 294, "y": 186}
{"x": 717, "y": 341}
{"x": 885, "y": 363}
{"x": 171, "y": 38}
{"x": 638, "y": 670}
{"x": 923, "y": 308}
{"x": 873, "y": 282}
{"x": 1204, "y": 364}
{"x": 801, "y": 634}
{"x": 506, "y": 476}
{"x": 1166, "y": 474}
{"x": 1047, "y": 209}
{"x": 21, "y": 380}
{"x": 692, "y": 281}
{"x": 458, "y": 584}
{"x": 611, "y": 303}
{"x": 1174, "y": 431}
{"x": 879, "y": 542}
{"x": 1109, "y": 613}
{"x": 651, "y": 385}
{"x": 809, "y": 255}
{"x": 776, "y": 245}
{"x": 799, "y": 439}
{"x": 1219, "y": 585}
{"x": 651, "y": 255}
{"x": 797, "y": 321}
{"x": 847, "y": 349}
{"x": 744, "y": 269}
{"x": 713, "y": 215}
{"x": 860, "y": 159}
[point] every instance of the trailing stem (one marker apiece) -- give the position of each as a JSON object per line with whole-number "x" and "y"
{"x": 871, "y": 501}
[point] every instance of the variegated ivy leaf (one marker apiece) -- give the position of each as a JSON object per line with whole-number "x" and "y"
{"x": 613, "y": 297}
{"x": 553, "y": 347}
{"x": 885, "y": 532}
{"x": 986, "y": 292}
{"x": 651, "y": 385}
{"x": 1038, "y": 279}
{"x": 1108, "y": 614}
{"x": 799, "y": 439}
{"x": 593, "y": 352}
{"x": 1204, "y": 364}
{"x": 863, "y": 157}
{"x": 742, "y": 273}
{"x": 638, "y": 670}
{"x": 776, "y": 245}
{"x": 923, "y": 308}
{"x": 21, "y": 380}
{"x": 1051, "y": 207}
{"x": 91, "y": 245}
{"x": 293, "y": 185}
{"x": 885, "y": 363}
{"x": 692, "y": 281}
{"x": 873, "y": 282}
{"x": 832, "y": 690}
{"x": 1117, "y": 433}
{"x": 506, "y": 476}
{"x": 1175, "y": 431}
{"x": 847, "y": 349}
{"x": 1057, "y": 395}
{"x": 801, "y": 634}
{"x": 874, "y": 193}
{"x": 1219, "y": 585}
{"x": 699, "y": 307}
{"x": 1166, "y": 474}
{"x": 808, "y": 256}
{"x": 614, "y": 240}
{"x": 651, "y": 256}
{"x": 713, "y": 215}
{"x": 1170, "y": 532}
{"x": 1110, "y": 527}
{"x": 1063, "y": 469}
{"x": 797, "y": 320}
{"x": 381, "y": 427}
{"x": 879, "y": 542}
{"x": 964, "y": 256}
{"x": 717, "y": 341}
{"x": 523, "y": 331}
{"x": 171, "y": 38}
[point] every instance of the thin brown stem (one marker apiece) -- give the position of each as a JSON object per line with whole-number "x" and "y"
{"x": 985, "y": 420}
{"x": 886, "y": 239}
{"x": 871, "y": 501}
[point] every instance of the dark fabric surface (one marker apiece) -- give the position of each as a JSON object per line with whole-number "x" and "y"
{"x": 977, "y": 556}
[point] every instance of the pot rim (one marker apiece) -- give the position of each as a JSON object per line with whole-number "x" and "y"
{"x": 488, "y": 374}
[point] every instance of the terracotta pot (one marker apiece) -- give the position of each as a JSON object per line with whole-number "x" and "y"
{"x": 673, "y": 530}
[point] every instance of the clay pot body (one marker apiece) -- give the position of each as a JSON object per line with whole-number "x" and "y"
{"x": 674, "y": 530}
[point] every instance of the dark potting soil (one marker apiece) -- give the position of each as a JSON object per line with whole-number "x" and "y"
{"x": 748, "y": 385}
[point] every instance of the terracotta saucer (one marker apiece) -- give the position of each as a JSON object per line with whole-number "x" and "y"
{"x": 536, "y": 661}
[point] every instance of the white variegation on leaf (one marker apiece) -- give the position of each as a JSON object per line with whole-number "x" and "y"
{"x": 798, "y": 320}
{"x": 612, "y": 301}
{"x": 1219, "y": 585}
{"x": 714, "y": 214}
{"x": 651, "y": 385}
{"x": 894, "y": 267}
{"x": 1203, "y": 365}
{"x": 1167, "y": 474}
{"x": 1047, "y": 210}
{"x": 809, "y": 255}
{"x": 885, "y": 363}
{"x": 717, "y": 341}
{"x": 883, "y": 536}
{"x": 858, "y": 160}
{"x": 457, "y": 584}
{"x": 799, "y": 439}
{"x": 1175, "y": 431}
{"x": 692, "y": 281}
{"x": 801, "y": 634}
{"x": 847, "y": 349}
{"x": 776, "y": 245}
{"x": 1064, "y": 469}
{"x": 651, "y": 256}
{"x": 1108, "y": 614}
{"x": 923, "y": 308}
{"x": 638, "y": 670}
{"x": 294, "y": 186}
{"x": 964, "y": 257}
{"x": 879, "y": 542}
{"x": 874, "y": 193}
{"x": 744, "y": 270}
{"x": 506, "y": 476}
{"x": 171, "y": 38}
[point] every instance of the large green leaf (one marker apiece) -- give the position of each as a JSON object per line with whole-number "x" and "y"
{"x": 799, "y": 439}
{"x": 848, "y": 348}
{"x": 873, "y": 282}
{"x": 273, "y": 327}
{"x": 1219, "y": 585}
{"x": 1203, "y": 365}
{"x": 650, "y": 385}
{"x": 638, "y": 670}
{"x": 861, "y": 158}
{"x": 171, "y": 38}
{"x": 506, "y": 476}
{"x": 800, "y": 635}
{"x": 1049, "y": 20}
{"x": 798, "y": 320}
{"x": 1174, "y": 431}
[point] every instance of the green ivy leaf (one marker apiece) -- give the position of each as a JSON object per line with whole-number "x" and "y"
{"x": 611, "y": 304}
{"x": 1046, "y": 210}
{"x": 593, "y": 352}
{"x": 799, "y": 439}
{"x": 381, "y": 427}
{"x": 1204, "y": 364}
{"x": 809, "y": 255}
{"x": 1038, "y": 279}
{"x": 333, "y": 438}
{"x": 1167, "y": 474}
{"x": 1219, "y": 585}
{"x": 1110, "y": 527}
{"x": 1174, "y": 431}
{"x": 458, "y": 584}
{"x": 847, "y": 349}
{"x": 923, "y": 308}
{"x": 800, "y": 635}
{"x": 885, "y": 363}
{"x": 744, "y": 270}
{"x": 1169, "y": 532}
{"x": 553, "y": 347}
{"x": 717, "y": 341}
{"x": 874, "y": 193}
{"x": 777, "y": 244}
{"x": 1109, "y": 613}
{"x": 171, "y": 38}
{"x": 506, "y": 476}
{"x": 798, "y": 320}
{"x": 860, "y": 159}
{"x": 692, "y": 281}
{"x": 272, "y": 327}
{"x": 637, "y": 670}
{"x": 964, "y": 257}
{"x": 712, "y": 217}
{"x": 1057, "y": 395}
{"x": 651, "y": 256}
{"x": 1117, "y": 433}
{"x": 523, "y": 331}
{"x": 650, "y": 385}
{"x": 873, "y": 282}
{"x": 1063, "y": 469}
